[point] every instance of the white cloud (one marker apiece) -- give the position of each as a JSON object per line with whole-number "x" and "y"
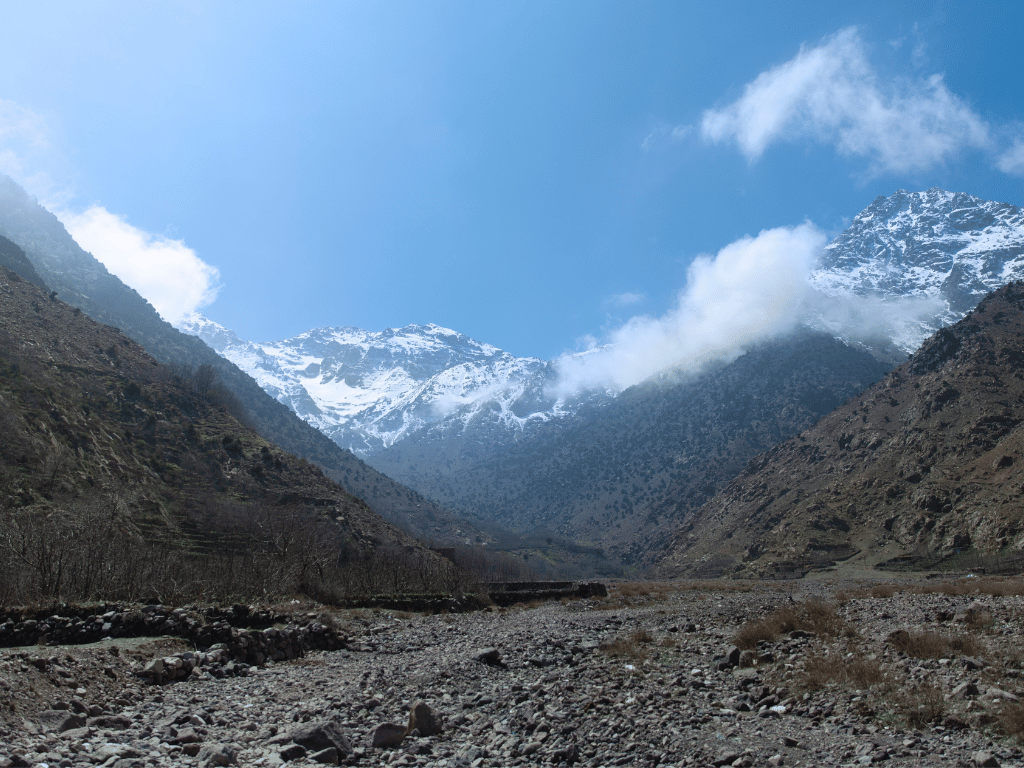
{"x": 831, "y": 94}
{"x": 1012, "y": 160}
{"x": 166, "y": 272}
{"x": 753, "y": 289}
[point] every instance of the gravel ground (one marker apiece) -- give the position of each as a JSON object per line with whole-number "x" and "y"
{"x": 635, "y": 679}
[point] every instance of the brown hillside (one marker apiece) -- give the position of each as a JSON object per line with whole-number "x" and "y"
{"x": 927, "y": 460}
{"x": 89, "y": 421}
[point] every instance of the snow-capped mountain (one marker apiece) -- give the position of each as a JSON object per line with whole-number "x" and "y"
{"x": 925, "y": 258}
{"x": 368, "y": 390}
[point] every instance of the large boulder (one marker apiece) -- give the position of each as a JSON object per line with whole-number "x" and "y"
{"x": 423, "y": 719}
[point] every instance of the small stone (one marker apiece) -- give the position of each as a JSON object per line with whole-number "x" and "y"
{"x": 388, "y": 735}
{"x": 985, "y": 759}
{"x": 293, "y": 752}
{"x": 964, "y": 690}
{"x": 776, "y": 761}
{"x": 318, "y": 736}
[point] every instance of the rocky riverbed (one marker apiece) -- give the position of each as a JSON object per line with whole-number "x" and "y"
{"x": 758, "y": 674}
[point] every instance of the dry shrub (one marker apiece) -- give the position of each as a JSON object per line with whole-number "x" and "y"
{"x": 988, "y": 585}
{"x": 884, "y": 590}
{"x": 979, "y": 619}
{"x": 852, "y": 671}
{"x": 934, "y": 645}
{"x": 643, "y": 636}
{"x": 766, "y": 629}
{"x": 1012, "y": 721}
{"x": 813, "y": 616}
{"x": 631, "y": 647}
{"x": 822, "y": 619}
{"x": 921, "y": 706}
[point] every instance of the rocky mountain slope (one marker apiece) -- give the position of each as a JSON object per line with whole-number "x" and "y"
{"x": 621, "y": 476}
{"x": 81, "y": 281}
{"x": 927, "y": 460}
{"x": 88, "y": 419}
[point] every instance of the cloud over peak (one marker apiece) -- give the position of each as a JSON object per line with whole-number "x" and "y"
{"x": 752, "y": 289}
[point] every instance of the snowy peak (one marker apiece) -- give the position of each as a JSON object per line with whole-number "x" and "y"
{"x": 368, "y": 390}
{"x": 948, "y": 247}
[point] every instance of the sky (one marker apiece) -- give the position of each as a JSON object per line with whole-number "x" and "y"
{"x": 540, "y": 176}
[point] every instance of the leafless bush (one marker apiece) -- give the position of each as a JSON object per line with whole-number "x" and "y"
{"x": 233, "y": 552}
{"x": 489, "y": 566}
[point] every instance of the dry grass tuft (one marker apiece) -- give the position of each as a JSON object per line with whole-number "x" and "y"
{"x": 986, "y": 585}
{"x": 884, "y": 590}
{"x": 1012, "y": 721}
{"x": 921, "y": 706}
{"x": 934, "y": 645}
{"x": 812, "y": 616}
{"x": 634, "y": 646}
{"x": 851, "y": 670}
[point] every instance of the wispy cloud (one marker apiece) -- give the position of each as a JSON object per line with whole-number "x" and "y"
{"x": 168, "y": 273}
{"x": 751, "y": 290}
{"x": 626, "y": 299}
{"x": 664, "y": 134}
{"x": 26, "y": 148}
{"x": 1012, "y": 160}
{"x": 831, "y": 94}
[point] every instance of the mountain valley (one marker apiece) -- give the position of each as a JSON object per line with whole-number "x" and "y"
{"x": 484, "y": 433}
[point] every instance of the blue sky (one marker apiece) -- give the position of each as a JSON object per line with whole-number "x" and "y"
{"x": 532, "y": 174}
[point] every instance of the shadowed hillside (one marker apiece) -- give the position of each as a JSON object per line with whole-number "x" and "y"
{"x": 926, "y": 462}
{"x": 112, "y": 464}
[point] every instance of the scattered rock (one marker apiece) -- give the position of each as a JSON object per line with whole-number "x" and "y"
{"x": 388, "y": 735}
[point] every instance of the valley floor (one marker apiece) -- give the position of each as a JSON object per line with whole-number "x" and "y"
{"x": 642, "y": 678}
